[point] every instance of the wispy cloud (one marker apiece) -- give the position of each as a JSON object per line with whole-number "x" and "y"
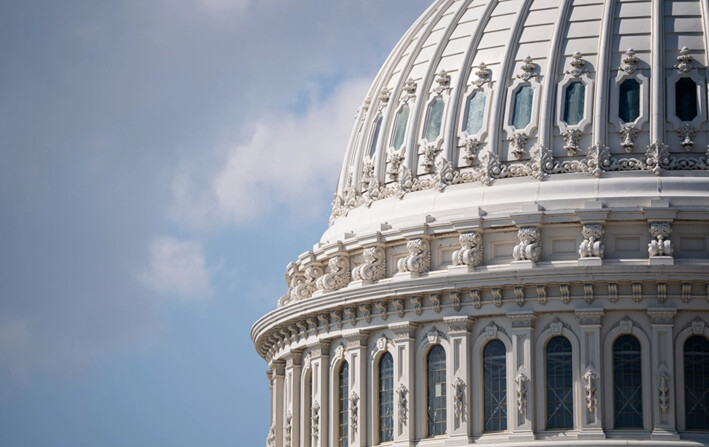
{"x": 177, "y": 268}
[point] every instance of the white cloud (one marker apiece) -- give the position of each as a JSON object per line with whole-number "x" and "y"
{"x": 177, "y": 268}
{"x": 290, "y": 159}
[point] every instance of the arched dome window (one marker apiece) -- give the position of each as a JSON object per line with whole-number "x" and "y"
{"x": 522, "y": 107}
{"x": 627, "y": 383}
{"x": 434, "y": 119}
{"x": 400, "y": 122}
{"x": 495, "y": 386}
{"x": 386, "y": 398}
{"x": 375, "y": 137}
{"x": 696, "y": 383}
{"x": 475, "y": 112}
{"x": 560, "y": 399}
{"x": 686, "y": 99}
{"x": 574, "y": 102}
{"x": 436, "y": 395}
{"x": 343, "y": 405}
{"x": 629, "y": 100}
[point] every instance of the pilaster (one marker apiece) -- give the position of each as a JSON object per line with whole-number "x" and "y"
{"x": 522, "y": 420}
{"x": 277, "y": 377}
{"x": 590, "y": 357}
{"x": 294, "y": 371}
{"x": 320, "y": 408}
{"x": 359, "y": 404}
{"x": 662, "y": 360}
{"x": 458, "y": 411}
{"x": 404, "y": 396}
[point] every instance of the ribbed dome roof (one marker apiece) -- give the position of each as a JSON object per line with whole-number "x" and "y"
{"x": 479, "y": 94}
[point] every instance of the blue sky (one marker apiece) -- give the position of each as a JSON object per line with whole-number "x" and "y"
{"x": 162, "y": 162}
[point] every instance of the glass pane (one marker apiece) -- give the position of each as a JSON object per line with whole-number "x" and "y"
{"x": 629, "y": 100}
{"x": 574, "y": 102}
{"x": 386, "y": 398}
{"x": 475, "y": 112}
{"x": 522, "y": 107}
{"x": 343, "y": 405}
{"x": 436, "y": 410}
{"x": 402, "y": 118}
{"x": 495, "y": 386}
{"x": 434, "y": 119}
{"x": 560, "y": 400}
{"x": 686, "y": 99}
{"x": 696, "y": 383}
{"x": 627, "y": 383}
{"x": 375, "y": 137}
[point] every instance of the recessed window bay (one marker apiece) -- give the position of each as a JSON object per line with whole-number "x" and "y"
{"x": 522, "y": 107}
{"x": 574, "y": 98}
{"x": 434, "y": 119}
{"x": 475, "y": 112}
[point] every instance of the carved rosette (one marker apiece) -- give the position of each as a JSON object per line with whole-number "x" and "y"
{"x": 419, "y": 258}
{"x": 590, "y": 380}
{"x": 374, "y": 267}
{"x": 337, "y": 274}
{"x": 471, "y": 250}
{"x": 592, "y": 245}
{"x": 402, "y": 394}
{"x": 530, "y": 244}
{"x": 660, "y": 245}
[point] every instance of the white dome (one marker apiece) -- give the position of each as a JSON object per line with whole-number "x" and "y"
{"x": 521, "y": 172}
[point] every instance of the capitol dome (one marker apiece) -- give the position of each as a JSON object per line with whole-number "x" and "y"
{"x": 518, "y": 250}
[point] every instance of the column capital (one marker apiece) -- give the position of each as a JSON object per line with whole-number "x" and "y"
{"x": 320, "y": 349}
{"x": 295, "y": 358}
{"x": 459, "y": 325}
{"x": 357, "y": 339}
{"x": 278, "y": 368}
{"x": 661, "y": 316}
{"x": 523, "y": 319}
{"x": 590, "y": 316}
{"x": 403, "y": 331}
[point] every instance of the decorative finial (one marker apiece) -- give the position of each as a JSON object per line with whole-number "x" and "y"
{"x": 527, "y": 69}
{"x": 483, "y": 74}
{"x": 443, "y": 80}
{"x": 577, "y": 64}
{"x": 685, "y": 60}
{"x": 630, "y": 61}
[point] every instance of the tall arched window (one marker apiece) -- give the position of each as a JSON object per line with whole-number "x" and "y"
{"x": 375, "y": 137}
{"x": 627, "y": 383}
{"x": 696, "y": 383}
{"x": 629, "y": 100}
{"x": 475, "y": 112}
{"x": 307, "y": 407}
{"x": 574, "y": 99}
{"x": 522, "y": 107}
{"x": 436, "y": 403}
{"x": 559, "y": 372}
{"x": 686, "y": 99}
{"x": 434, "y": 119}
{"x": 402, "y": 118}
{"x": 386, "y": 398}
{"x": 495, "y": 386}
{"x": 343, "y": 407}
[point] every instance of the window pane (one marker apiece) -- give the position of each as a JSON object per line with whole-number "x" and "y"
{"x": 560, "y": 400}
{"x": 386, "y": 398}
{"x": 402, "y": 118}
{"x": 495, "y": 386}
{"x": 475, "y": 112}
{"x": 629, "y": 100}
{"x": 522, "y": 107}
{"x": 627, "y": 383}
{"x": 375, "y": 137}
{"x": 574, "y": 102}
{"x": 436, "y": 391}
{"x": 686, "y": 99}
{"x": 343, "y": 404}
{"x": 696, "y": 383}
{"x": 434, "y": 119}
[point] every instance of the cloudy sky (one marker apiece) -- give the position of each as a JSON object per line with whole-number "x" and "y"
{"x": 162, "y": 162}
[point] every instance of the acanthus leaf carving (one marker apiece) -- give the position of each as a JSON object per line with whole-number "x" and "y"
{"x": 482, "y": 75}
{"x": 529, "y": 247}
{"x": 455, "y": 298}
{"x": 374, "y": 267}
{"x": 477, "y": 299}
{"x": 663, "y": 387}
{"x": 471, "y": 250}
{"x": 630, "y": 61}
{"x": 518, "y": 142}
{"x": 572, "y": 137}
{"x": 590, "y": 379}
{"x": 577, "y": 65}
{"x": 394, "y": 159}
{"x": 592, "y": 245}
{"x": 288, "y": 429}
{"x": 471, "y": 148}
{"x": 354, "y": 412}
{"x": 315, "y": 421}
{"x": 418, "y": 259}
{"x": 402, "y": 394}
{"x": 337, "y": 274}
{"x": 521, "y": 381}
{"x": 687, "y": 132}
{"x": 459, "y": 399}
{"x": 660, "y": 245}
{"x": 528, "y": 69}
{"x": 628, "y": 132}
{"x": 684, "y": 60}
